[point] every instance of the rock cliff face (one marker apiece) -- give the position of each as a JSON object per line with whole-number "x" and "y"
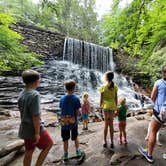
{"x": 127, "y": 65}
{"x": 45, "y": 42}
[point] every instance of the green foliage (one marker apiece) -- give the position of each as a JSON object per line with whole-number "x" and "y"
{"x": 75, "y": 18}
{"x": 137, "y": 28}
{"x": 154, "y": 63}
{"x": 12, "y": 54}
{"x": 24, "y": 10}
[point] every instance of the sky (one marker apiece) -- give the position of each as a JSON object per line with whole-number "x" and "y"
{"x": 102, "y": 6}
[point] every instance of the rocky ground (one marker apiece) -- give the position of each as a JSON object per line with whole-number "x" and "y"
{"x": 91, "y": 142}
{"x": 51, "y": 89}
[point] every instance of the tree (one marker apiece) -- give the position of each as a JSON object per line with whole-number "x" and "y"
{"x": 139, "y": 29}
{"x": 12, "y": 54}
{"x": 75, "y": 18}
{"x": 24, "y": 10}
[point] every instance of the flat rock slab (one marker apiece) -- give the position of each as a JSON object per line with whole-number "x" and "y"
{"x": 91, "y": 142}
{"x": 72, "y": 161}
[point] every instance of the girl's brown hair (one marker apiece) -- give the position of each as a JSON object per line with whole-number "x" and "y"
{"x": 109, "y": 75}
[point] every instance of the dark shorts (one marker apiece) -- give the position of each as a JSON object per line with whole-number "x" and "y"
{"x": 65, "y": 134}
{"x": 44, "y": 141}
{"x": 156, "y": 117}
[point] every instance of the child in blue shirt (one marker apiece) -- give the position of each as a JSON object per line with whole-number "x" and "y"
{"x": 70, "y": 105}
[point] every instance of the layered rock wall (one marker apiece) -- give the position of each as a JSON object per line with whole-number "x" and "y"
{"x": 45, "y": 42}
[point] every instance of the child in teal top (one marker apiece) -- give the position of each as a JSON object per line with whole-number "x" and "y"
{"x": 122, "y": 110}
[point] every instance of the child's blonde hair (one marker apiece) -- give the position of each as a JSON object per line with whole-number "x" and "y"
{"x": 122, "y": 101}
{"x": 84, "y": 94}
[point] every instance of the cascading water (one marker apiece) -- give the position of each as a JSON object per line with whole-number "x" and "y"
{"x": 87, "y": 55}
{"x": 97, "y": 59}
{"x": 84, "y": 62}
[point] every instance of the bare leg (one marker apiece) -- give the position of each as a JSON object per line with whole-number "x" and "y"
{"x": 148, "y": 132}
{"x": 83, "y": 124}
{"x": 124, "y": 136}
{"x": 155, "y": 126}
{"x": 120, "y": 137}
{"x": 43, "y": 155}
{"x": 111, "y": 114}
{"x": 65, "y": 146}
{"x": 105, "y": 126}
{"x": 28, "y": 157}
{"x": 120, "y": 134}
{"x": 105, "y": 131}
{"x": 86, "y": 123}
{"x": 111, "y": 132}
{"x": 77, "y": 143}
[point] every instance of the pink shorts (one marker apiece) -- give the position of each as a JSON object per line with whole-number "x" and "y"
{"x": 44, "y": 141}
{"x": 122, "y": 124}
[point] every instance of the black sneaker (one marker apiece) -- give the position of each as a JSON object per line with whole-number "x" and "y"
{"x": 112, "y": 146}
{"x": 105, "y": 145}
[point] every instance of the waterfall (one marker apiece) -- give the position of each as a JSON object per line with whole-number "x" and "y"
{"x": 95, "y": 60}
{"x": 88, "y": 55}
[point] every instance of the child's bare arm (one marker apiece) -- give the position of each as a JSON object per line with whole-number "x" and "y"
{"x": 101, "y": 100}
{"x": 78, "y": 112}
{"x": 116, "y": 98}
{"x": 36, "y": 123}
{"x": 89, "y": 108}
{"x": 116, "y": 112}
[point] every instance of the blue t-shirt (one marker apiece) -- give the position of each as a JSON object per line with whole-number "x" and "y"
{"x": 69, "y": 105}
{"x": 161, "y": 94}
{"x": 29, "y": 106}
